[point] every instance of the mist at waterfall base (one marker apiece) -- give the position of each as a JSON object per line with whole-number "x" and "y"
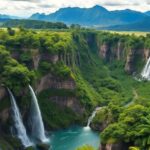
{"x": 76, "y": 136}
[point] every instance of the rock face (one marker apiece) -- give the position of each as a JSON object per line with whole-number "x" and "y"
{"x": 128, "y": 55}
{"x": 50, "y": 58}
{"x": 70, "y": 102}
{"x": 99, "y": 127}
{"x": 146, "y": 54}
{"x": 103, "y": 51}
{"x": 49, "y": 81}
{"x": 118, "y": 146}
{"x": 129, "y": 67}
{"x": 43, "y": 147}
{"x": 110, "y": 53}
{"x": 2, "y": 93}
{"x": 4, "y": 111}
{"x": 36, "y": 57}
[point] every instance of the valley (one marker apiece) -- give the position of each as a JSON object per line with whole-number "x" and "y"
{"x": 72, "y": 72}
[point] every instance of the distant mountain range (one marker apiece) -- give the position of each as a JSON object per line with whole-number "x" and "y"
{"x": 2, "y": 16}
{"x": 147, "y": 13}
{"x": 5, "y": 18}
{"x": 143, "y": 25}
{"x": 97, "y": 16}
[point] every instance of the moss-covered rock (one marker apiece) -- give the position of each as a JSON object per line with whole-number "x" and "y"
{"x": 43, "y": 146}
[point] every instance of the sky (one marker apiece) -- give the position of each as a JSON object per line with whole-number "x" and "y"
{"x": 25, "y": 8}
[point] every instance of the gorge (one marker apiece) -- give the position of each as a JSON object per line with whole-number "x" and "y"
{"x": 58, "y": 138}
{"x": 73, "y": 72}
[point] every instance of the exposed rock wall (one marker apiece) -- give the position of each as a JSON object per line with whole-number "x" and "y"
{"x": 49, "y": 81}
{"x": 4, "y": 110}
{"x": 129, "y": 56}
{"x": 70, "y": 102}
{"x": 2, "y": 93}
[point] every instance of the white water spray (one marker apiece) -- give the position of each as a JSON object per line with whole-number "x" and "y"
{"x": 18, "y": 123}
{"x": 92, "y": 116}
{"x": 146, "y": 71}
{"x": 37, "y": 125}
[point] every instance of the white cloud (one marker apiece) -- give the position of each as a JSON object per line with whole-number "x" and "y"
{"x": 28, "y": 7}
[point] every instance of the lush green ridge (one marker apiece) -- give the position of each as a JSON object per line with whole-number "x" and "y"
{"x": 34, "y": 24}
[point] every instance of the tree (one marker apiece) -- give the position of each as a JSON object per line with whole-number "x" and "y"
{"x": 85, "y": 147}
{"x": 10, "y": 31}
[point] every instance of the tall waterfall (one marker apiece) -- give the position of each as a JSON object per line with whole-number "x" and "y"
{"x": 37, "y": 125}
{"x": 146, "y": 71}
{"x": 18, "y": 123}
{"x": 92, "y": 116}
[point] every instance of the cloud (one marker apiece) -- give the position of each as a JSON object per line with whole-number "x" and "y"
{"x": 28, "y": 7}
{"x": 25, "y": 0}
{"x": 115, "y": 4}
{"x": 46, "y": 6}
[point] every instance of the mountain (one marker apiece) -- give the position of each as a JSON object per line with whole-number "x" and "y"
{"x": 143, "y": 25}
{"x": 147, "y": 13}
{"x": 3, "y": 16}
{"x": 95, "y": 16}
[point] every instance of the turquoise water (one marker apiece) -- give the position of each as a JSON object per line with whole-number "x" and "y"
{"x": 70, "y": 139}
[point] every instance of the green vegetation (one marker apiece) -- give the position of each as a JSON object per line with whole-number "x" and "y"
{"x": 51, "y": 111}
{"x": 34, "y": 24}
{"x": 11, "y": 71}
{"x": 86, "y": 147}
{"x": 92, "y": 67}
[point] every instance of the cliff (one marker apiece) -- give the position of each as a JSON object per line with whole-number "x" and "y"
{"x": 71, "y": 72}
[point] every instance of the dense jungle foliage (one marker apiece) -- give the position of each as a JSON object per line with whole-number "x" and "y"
{"x": 34, "y": 24}
{"x": 75, "y": 55}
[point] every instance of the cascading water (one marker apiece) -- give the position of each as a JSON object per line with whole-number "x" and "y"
{"x": 92, "y": 116}
{"x": 146, "y": 71}
{"x": 37, "y": 125}
{"x": 18, "y": 123}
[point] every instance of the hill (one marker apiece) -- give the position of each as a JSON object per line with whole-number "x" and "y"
{"x": 95, "y": 16}
{"x": 34, "y": 24}
{"x": 147, "y": 13}
{"x": 143, "y": 25}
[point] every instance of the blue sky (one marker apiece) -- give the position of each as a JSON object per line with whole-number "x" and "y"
{"x": 27, "y": 7}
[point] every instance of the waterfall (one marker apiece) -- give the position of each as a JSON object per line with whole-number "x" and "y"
{"x": 37, "y": 125}
{"x": 18, "y": 123}
{"x": 92, "y": 116}
{"x": 146, "y": 71}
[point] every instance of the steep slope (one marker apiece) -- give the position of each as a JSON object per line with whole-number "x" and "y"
{"x": 96, "y": 15}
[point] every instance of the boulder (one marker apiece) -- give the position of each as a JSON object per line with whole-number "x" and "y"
{"x": 42, "y": 146}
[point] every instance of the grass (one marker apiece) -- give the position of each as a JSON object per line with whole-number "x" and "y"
{"x": 137, "y": 33}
